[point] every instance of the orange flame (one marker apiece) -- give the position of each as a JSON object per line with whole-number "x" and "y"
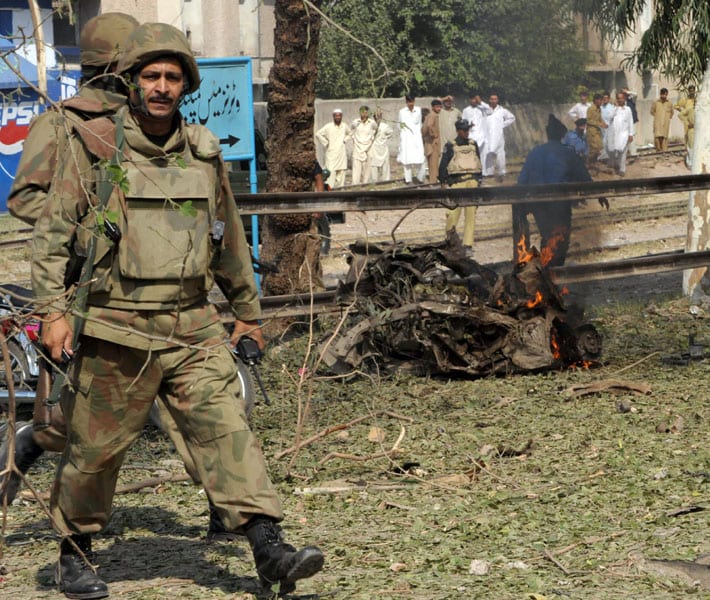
{"x": 533, "y": 302}
{"x": 564, "y": 291}
{"x": 548, "y": 252}
{"x": 582, "y": 364}
{"x": 555, "y": 347}
{"x": 524, "y": 255}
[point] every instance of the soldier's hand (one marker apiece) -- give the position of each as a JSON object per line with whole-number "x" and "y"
{"x": 57, "y": 337}
{"x": 250, "y": 329}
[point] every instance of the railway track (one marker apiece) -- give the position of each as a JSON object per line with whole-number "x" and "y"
{"x": 619, "y": 214}
{"x": 581, "y": 221}
{"x": 14, "y": 244}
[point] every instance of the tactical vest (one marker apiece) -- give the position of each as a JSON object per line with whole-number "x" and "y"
{"x": 166, "y": 206}
{"x": 465, "y": 160}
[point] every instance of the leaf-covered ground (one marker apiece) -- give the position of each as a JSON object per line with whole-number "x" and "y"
{"x": 501, "y": 488}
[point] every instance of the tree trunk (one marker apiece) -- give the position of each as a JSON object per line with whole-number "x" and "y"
{"x": 291, "y": 242}
{"x": 38, "y": 35}
{"x": 699, "y": 202}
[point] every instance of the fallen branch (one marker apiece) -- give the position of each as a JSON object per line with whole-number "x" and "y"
{"x": 615, "y": 386}
{"x": 387, "y": 453}
{"x": 128, "y": 488}
{"x": 587, "y": 542}
{"x": 344, "y": 486}
{"x": 552, "y": 559}
{"x": 334, "y": 428}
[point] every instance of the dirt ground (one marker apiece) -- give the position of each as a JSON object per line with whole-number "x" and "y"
{"x": 508, "y": 488}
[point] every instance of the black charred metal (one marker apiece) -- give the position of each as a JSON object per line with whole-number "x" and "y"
{"x": 431, "y": 310}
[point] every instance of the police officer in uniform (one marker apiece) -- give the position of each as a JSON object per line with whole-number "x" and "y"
{"x": 460, "y": 166}
{"x": 167, "y": 230}
{"x": 101, "y": 94}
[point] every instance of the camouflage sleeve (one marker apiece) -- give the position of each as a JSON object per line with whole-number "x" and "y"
{"x": 35, "y": 169}
{"x": 234, "y": 273}
{"x": 56, "y": 226}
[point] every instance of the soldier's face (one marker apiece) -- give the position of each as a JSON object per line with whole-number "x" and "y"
{"x": 161, "y": 85}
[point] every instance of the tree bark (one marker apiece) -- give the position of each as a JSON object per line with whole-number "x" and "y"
{"x": 291, "y": 242}
{"x": 699, "y": 201}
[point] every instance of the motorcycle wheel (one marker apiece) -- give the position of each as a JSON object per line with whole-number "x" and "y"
{"x": 19, "y": 368}
{"x": 248, "y": 388}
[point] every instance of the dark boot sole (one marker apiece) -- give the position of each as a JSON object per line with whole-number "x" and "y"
{"x": 86, "y": 596}
{"x": 309, "y": 563}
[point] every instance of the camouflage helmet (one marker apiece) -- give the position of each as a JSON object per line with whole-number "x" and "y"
{"x": 103, "y": 37}
{"x": 153, "y": 40}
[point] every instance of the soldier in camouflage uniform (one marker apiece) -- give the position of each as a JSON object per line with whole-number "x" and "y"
{"x": 149, "y": 328}
{"x": 101, "y": 94}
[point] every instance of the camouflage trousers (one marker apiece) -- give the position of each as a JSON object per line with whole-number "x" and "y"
{"x": 469, "y": 213}
{"x": 114, "y": 388}
{"x": 52, "y": 437}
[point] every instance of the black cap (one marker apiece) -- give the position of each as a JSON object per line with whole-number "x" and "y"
{"x": 462, "y": 124}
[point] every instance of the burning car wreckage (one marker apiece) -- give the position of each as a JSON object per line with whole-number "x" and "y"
{"x": 431, "y": 310}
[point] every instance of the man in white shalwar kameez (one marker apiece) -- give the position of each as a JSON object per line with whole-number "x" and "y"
{"x": 476, "y": 114}
{"x": 380, "y": 150}
{"x": 333, "y": 137}
{"x": 619, "y": 135}
{"x": 607, "y": 108}
{"x": 363, "y": 130}
{"x": 411, "y": 145}
{"x": 496, "y": 122}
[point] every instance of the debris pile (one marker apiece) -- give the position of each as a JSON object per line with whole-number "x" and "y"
{"x": 431, "y": 310}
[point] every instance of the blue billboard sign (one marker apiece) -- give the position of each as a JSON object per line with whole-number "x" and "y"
{"x": 224, "y": 104}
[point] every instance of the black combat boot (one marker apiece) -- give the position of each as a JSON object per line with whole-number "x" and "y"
{"x": 26, "y": 453}
{"x": 75, "y": 578}
{"x": 217, "y": 532}
{"x": 276, "y": 561}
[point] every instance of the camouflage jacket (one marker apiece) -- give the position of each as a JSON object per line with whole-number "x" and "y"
{"x": 135, "y": 275}
{"x": 47, "y": 140}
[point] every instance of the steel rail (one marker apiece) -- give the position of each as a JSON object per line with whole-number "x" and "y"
{"x": 411, "y": 198}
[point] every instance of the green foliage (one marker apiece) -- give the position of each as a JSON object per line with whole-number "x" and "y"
{"x": 116, "y": 175}
{"x": 179, "y": 160}
{"x": 527, "y": 50}
{"x": 677, "y": 42}
{"x": 187, "y": 209}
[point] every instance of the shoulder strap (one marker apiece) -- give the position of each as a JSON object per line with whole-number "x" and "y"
{"x": 99, "y": 136}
